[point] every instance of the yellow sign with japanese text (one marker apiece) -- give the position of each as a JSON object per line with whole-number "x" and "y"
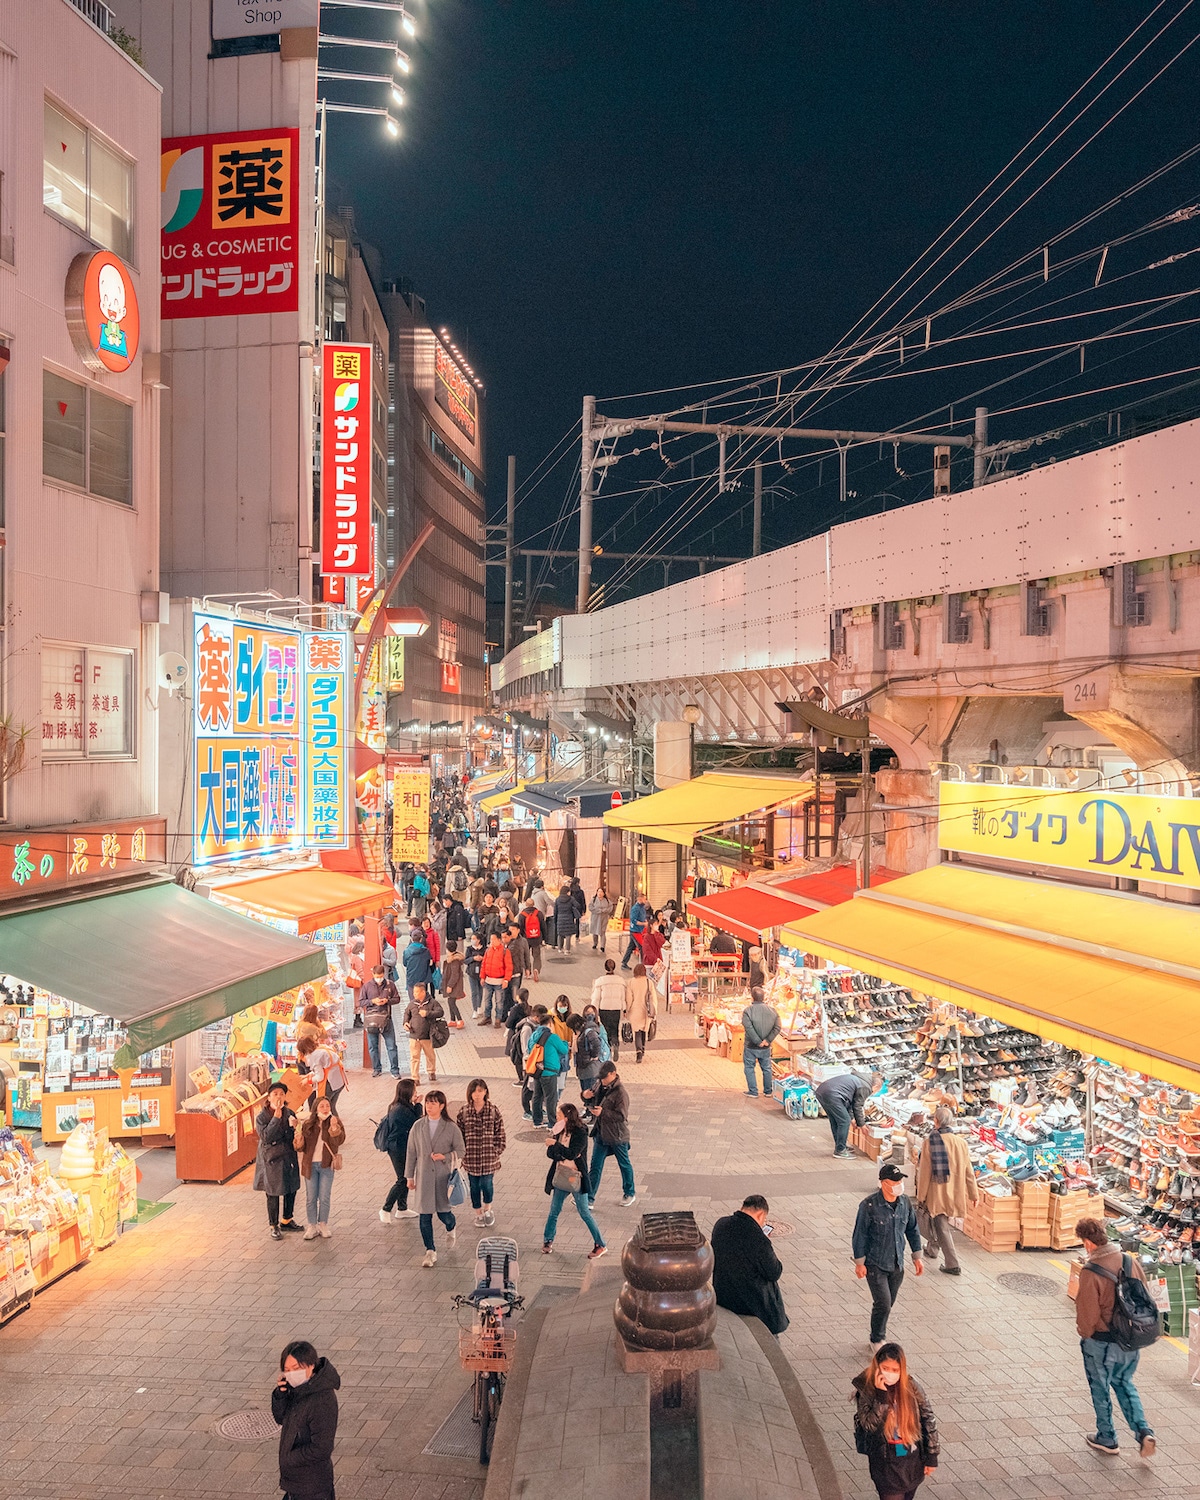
{"x": 410, "y": 816}
{"x": 1105, "y": 833}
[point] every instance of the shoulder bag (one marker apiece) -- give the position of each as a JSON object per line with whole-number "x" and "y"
{"x": 567, "y": 1177}
{"x": 456, "y": 1188}
{"x": 439, "y": 1031}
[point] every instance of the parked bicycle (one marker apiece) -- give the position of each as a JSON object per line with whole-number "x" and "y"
{"x": 487, "y": 1346}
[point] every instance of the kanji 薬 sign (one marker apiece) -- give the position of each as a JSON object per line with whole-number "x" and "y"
{"x": 410, "y": 816}
{"x": 230, "y": 223}
{"x": 327, "y": 657}
{"x": 247, "y": 712}
{"x": 346, "y": 459}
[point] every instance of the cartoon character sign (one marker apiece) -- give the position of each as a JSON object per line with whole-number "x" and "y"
{"x": 102, "y": 311}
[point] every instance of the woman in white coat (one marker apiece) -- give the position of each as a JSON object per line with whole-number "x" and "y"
{"x": 639, "y": 1007}
{"x": 432, "y": 1141}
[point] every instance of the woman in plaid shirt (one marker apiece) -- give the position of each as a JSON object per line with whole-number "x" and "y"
{"x": 483, "y": 1132}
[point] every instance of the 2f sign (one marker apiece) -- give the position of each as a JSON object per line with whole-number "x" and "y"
{"x": 261, "y": 17}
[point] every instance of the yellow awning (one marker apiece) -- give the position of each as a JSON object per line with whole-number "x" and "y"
{"x": 484, "y": 784}
{"x": 678, "y": 814}
{"x": 1111, "y": 974}
{"x": 494, "y": 801}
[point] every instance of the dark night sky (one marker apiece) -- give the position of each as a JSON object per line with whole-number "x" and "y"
{"x": 610, "y": 196}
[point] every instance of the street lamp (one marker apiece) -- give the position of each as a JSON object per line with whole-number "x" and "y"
{"x": 401, "y": 60}
{"x": 330, "y": 107}
{"x": 405, "y": 620}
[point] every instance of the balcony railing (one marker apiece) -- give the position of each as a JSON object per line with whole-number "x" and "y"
{"x": 97, "y": 13}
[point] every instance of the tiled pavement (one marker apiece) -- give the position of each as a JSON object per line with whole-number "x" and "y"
{"x": 115, "y": 1380}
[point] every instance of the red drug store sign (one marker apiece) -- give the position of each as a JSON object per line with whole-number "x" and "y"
{"x": 346, "y": 460}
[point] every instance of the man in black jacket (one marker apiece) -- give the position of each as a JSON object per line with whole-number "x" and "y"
{"x": 608, "y": 1103}
{"x": 746, "y": 1270}
{"x": 304, "y": 1404}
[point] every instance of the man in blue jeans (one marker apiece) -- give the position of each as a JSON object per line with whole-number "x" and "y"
{"x": 379, "y": 994}
{"x": 639, "y": 915}
{"x": 608, "y": 1103}
{"x": 1109, "y": 1368}
{"x": 760, "y": 1023}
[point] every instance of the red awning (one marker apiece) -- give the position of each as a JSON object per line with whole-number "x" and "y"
{"x": 832, "y": 887}
{"x": 750, "y": 910}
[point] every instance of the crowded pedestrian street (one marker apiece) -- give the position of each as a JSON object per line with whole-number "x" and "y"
{"x": 118, "y": 1379}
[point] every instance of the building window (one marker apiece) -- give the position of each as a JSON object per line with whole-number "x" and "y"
{"x": 87, "y": 703}
{"x": 87, "y": 439}
{"x": 87, "y": 183}
{"x": 451, "y": 459}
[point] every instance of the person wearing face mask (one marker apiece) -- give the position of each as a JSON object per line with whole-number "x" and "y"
{"x": 319, "y": 1141}
{"x": 305, "y": 1407}
{"x": 885, "y": 1220}
{"x": 894, "y": 1425}
{"x": 564, "y": 1022}
{"x": 746, "y": 1270}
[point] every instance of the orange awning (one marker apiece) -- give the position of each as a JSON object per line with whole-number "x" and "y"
{"x": 311, "y": 898}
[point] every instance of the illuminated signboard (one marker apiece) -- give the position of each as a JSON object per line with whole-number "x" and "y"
{"x": 346, "y": 460}
{"x": 327, "y": 657}
{"x": 35, "y": 860}
{"x": 453, "y": 392}
{"x": 451, "y": 677}
{"x": 230, "y": 223}
{"x": 102, "y": 311}
{"x": 410, "y": 816}
{"x": 1108, "y": 833}
{"x": 247, "y": 739}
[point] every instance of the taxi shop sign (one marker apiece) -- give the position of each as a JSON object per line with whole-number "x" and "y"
{"x": 1106, "y": 833}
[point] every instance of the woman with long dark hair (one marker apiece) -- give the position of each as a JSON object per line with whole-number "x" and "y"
{"x": 894, "y": 1425}
{"x": 403, "y": 1113}
{"x": 568, "y": 1178}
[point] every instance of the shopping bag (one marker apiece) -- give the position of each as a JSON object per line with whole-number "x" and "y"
{"x": 456, "y": 1188}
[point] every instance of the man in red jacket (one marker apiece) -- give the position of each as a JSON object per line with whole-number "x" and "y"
{"x": 495, "y": 971}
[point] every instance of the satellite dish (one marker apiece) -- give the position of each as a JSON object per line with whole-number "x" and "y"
{"x": 172, "y": 671}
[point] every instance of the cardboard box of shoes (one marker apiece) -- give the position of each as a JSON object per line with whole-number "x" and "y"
{"x": 1035, "y": 1199}
{"x": 993, "y": 1222}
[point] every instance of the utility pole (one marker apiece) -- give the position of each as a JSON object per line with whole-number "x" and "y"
{"x": 585, "y": 506}
{"x": 866, "y": 807}
{"x": 756, "y": 544}
{"x": 510, "y": 518}
{"x": 980, "y": 444}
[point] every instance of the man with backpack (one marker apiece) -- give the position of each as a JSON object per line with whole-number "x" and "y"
{"x": 546, "y": 1062}
{"x": 530, "y": 923}
{"x": 591, "y": 1049}
{"x": 1116, "y": 1319}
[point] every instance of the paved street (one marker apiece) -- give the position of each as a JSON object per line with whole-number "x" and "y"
{"x": 115, "y": 1380}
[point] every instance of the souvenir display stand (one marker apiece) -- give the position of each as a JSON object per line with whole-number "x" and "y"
{"x": 214, "y": 1129}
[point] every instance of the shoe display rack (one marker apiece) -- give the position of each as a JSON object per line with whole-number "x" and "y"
{"x": 1145, "y": 1139}
{"x": 976, "y": 1057}
{"x": 857, "y": 1023}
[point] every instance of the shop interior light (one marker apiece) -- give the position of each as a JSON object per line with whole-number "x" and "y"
{"x": 406, "y": 620}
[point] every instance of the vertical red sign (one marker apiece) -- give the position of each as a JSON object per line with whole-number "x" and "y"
{"x": 346, "y": 460}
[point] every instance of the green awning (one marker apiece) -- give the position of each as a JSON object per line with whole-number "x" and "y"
{"x": 156, "y": 957}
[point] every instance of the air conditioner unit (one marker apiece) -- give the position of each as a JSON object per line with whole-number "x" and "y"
{"x": 890, "y": 627}
{"x": 958, "y": 622}
{"x": 1037, "y": 609}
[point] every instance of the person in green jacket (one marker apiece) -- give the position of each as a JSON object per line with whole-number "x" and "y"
{"x": 546, "y": 1068}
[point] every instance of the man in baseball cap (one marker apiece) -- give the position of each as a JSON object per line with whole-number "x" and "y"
{"x": 885, "y": 1220}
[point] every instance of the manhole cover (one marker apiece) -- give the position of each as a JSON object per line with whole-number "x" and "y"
{"x": 458, "y": 1436}
{"x": 534, "y": 1135}
{"x": 248, "y": 1426}
{"x": 782, "y": 1229}
{"x": 1027, "y": 1286}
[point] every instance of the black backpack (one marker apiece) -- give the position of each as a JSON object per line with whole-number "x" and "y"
{"x": 1135, "y": 1321}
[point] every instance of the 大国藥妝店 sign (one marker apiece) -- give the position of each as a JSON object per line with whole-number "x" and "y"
{"x": 1107, "y": 833}
{"x": 328, "y": 657}
{"x": 34, "y": 860}
{"x": 410, "y": 816}
{"x": 230, "y": 223}
{"x": 346, "y": 460}
{"x": 255, "y": 785}
{"x": 453, "y": 391}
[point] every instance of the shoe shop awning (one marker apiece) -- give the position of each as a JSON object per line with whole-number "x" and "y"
{"x": 156, "y": 957}
{"x": 1111, "y": 974}
{"x": 678, "y": 814}
{"x": 312, "y": 898}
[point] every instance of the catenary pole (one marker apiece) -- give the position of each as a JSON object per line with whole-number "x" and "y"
{"x": 510, "y": 519}
{"x": 585, "y": 506}
{"x": 980, "y": 445}
{"x": 756, "y": 543}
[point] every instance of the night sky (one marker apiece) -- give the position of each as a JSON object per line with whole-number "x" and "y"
{"x": 612, "y": 196}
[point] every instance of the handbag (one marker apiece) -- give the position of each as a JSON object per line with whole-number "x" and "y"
{"x": 626, "y": 1032}
{"x": 436, "y": 977}
{"x": 652, "y": 1030}
{"x": 456, "y": 1188}
{"x": 567, "y": 1177}
{"x": 439, "y": 1031}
